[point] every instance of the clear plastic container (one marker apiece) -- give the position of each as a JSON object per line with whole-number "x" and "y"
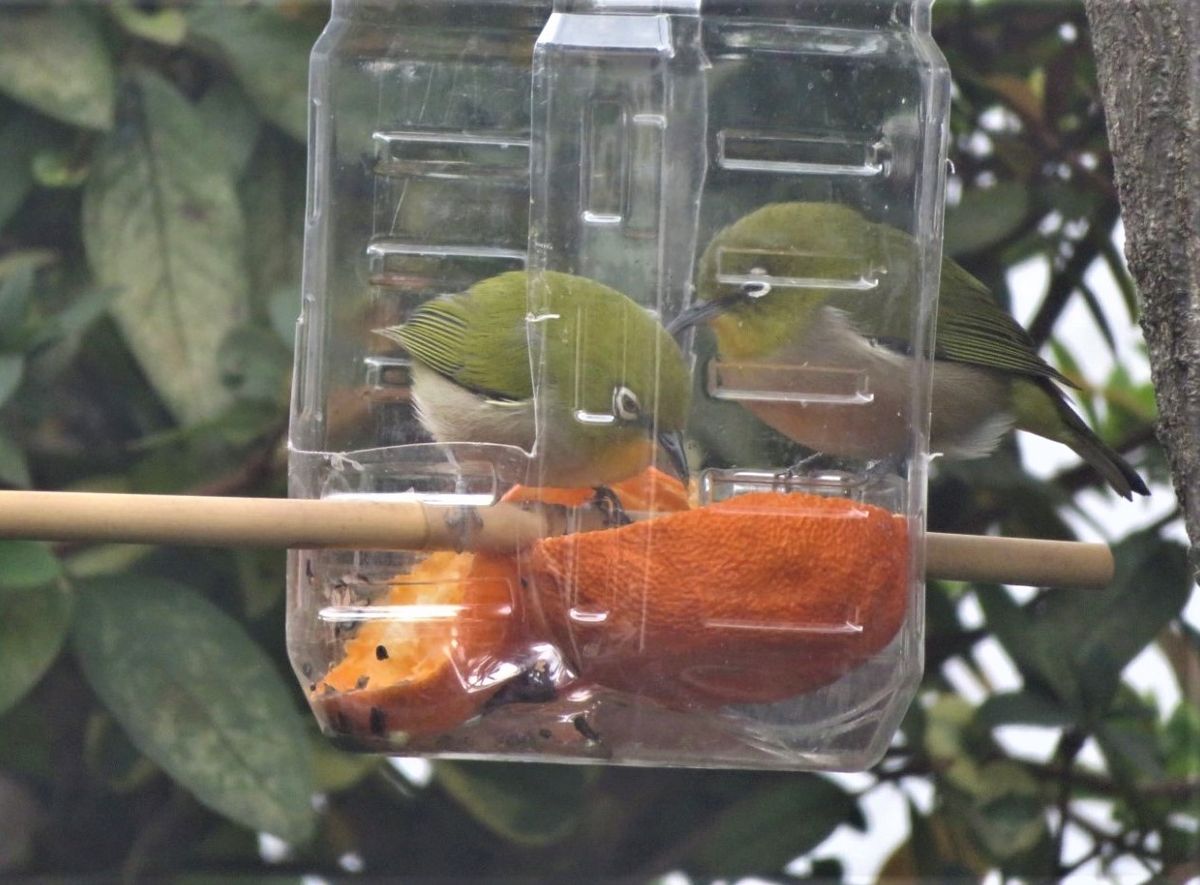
{"x": 780, "y": 161}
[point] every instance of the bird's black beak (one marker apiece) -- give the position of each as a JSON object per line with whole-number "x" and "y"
{"x": 672, "y": 443}
{"x": 700, "y": 312}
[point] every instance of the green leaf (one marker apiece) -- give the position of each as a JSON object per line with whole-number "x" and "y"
{"x": 111, "y": 758}
{"x": 283, "y": 307}
{"x": 105, "y": 559}
{"x": 1181, "y": 845}
{"x": 269, "y": 55}
{"x": 199, "y": 698}
{"x": 226, "y": 111}
{"x": 1098, "y": 316}
{"x": 55, "y": 61}
{"x": 75, "y": 318}
{"x": 25, "y": 565}
{"x": 527, "y": 804}
{"x": 162, "y": 221}
{"x": 261, "y": 579}
{"x": 985, "y": 217}
{"x": 255, "y": 364}
{"x": 1132, "y": 751}
{"x": 16, "y": 288}
{"x": 272, "y": 191}
{"x": 1009, "y": 819}
{"x": 35, "y": 611}
{"x": 22, "y": 813}
{"x": 14, "y": 469}
{"x": 1106, "y": 631}
{"x": 1024, "y": 707}
{"x": 12, "y": 367}
{"x": 1042, "y": 657}
{"x": 20, "y": 261}
{"x": 166, "y": 26}
{"x": 59, "y": 167}
{"x": 767, "y": 829}
{"x": 25, "y": 740}
{"x": 1077, "y": 644}
{"x": 1181, "y": 741}
{"x": 939, "y": 850}
{"x": 17, "y": 148}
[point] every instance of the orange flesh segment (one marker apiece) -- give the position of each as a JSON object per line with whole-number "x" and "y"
{"x": 426, "y": 666}
{"x": 413, "y": 652}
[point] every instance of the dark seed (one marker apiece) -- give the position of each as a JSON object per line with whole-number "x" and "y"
{"x": 544, "y": 733}
{"x": 377, "y": 722}
{"x": 306, "y": 669}
{"x": 312, "y": 686}
{"x": 362, "y": 682}
{"x": 308, "y": 569}
{"x": 581, "y": 725}
{"x": 381, "y": 653}
{"x": 534, "y": 685}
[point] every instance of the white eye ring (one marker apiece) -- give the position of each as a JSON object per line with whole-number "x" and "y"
{"x": 625, "y": 404}
{"x": 756, "y": 289}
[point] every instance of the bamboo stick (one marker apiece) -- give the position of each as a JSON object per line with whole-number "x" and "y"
{"x": 1027, "y": 561}
{"x": 358, "y": 523}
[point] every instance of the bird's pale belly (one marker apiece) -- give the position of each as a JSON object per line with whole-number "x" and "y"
{"x": 969, "y": 402}
{"x": 965, "y": 422}
{"x": 854, "y": 431}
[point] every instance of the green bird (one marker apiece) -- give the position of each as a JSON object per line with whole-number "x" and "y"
{"x": 755, "y": 288}
{"x": 612, "y": 381}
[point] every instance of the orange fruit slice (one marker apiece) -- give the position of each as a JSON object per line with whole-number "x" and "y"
{"x": 650, "y": 490}
{"x": 430, "y": 654}
{"x": 754, "y": 599}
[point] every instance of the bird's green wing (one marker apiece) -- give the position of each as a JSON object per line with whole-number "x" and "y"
{"x": 973, "y": 329}
{"x": 477, "y": 338}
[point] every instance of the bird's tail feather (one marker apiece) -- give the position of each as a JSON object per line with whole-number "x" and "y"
{"x": 1078, "y": 436}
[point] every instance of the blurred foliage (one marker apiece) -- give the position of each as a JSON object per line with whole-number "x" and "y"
{"x": 151, "y": 213}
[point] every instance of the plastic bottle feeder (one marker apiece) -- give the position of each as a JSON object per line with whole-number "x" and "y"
{"x": 769, "y": 612}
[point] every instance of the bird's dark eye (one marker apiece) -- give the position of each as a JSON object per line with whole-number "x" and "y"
{"x": 625, "y": 404}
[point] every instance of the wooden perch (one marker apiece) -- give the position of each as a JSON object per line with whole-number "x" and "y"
{"x": 362, "y": 523}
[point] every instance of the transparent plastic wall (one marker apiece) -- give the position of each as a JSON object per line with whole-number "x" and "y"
{"x": 615, "y": 236}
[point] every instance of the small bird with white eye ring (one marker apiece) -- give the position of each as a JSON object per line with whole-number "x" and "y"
{"x": 613, "y": 383}
{"x": 987, "y": 375}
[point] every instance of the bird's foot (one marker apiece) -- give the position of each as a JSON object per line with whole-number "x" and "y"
{"x": 880, "y": 469}
{"x": 795, "y": 473}
{"x": 606, "y": 501}
{"x": 873, "y": 471}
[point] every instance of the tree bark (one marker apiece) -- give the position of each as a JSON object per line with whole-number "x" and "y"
{"x": 1148, "y": 58}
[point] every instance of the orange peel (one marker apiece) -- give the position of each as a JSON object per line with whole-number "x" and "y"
{"x": 754, "y": 599}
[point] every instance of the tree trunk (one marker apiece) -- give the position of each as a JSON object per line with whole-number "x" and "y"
{"x": 1148, "y": 56}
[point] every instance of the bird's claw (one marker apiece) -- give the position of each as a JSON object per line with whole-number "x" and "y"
{"x": 606, "y": 501}
{"x": 793, "y": 473}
